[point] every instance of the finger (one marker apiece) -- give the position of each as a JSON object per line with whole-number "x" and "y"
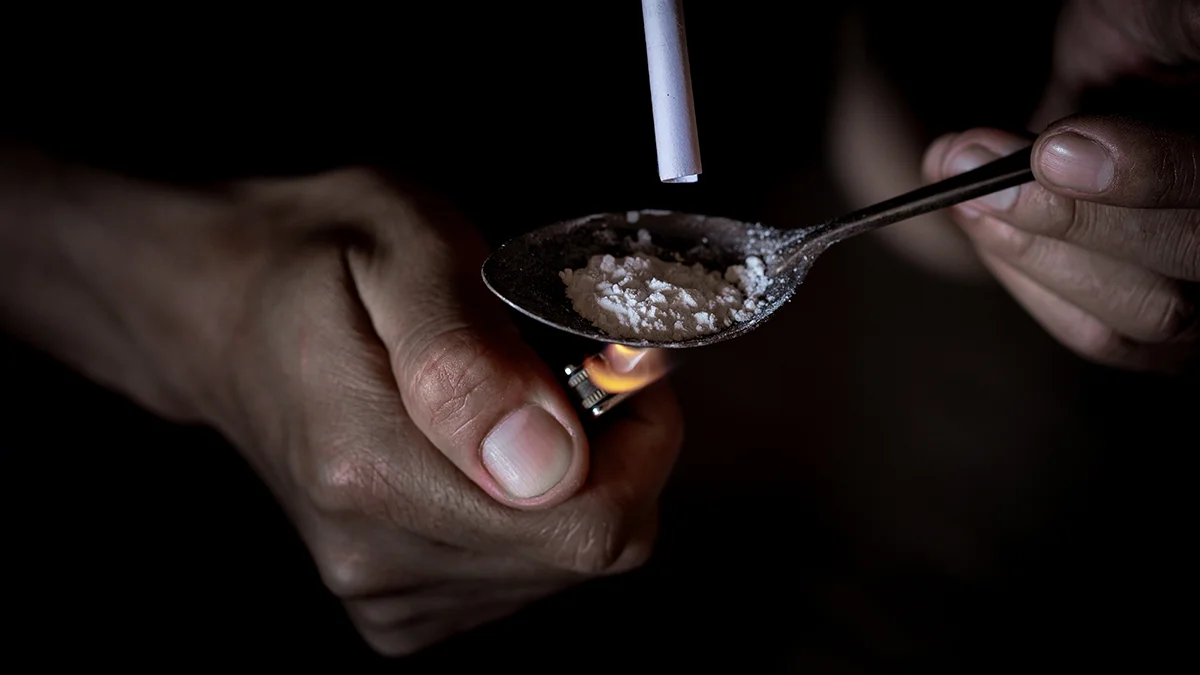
{"x": 634, "y": 456}
{"x": 378, "y": 506}
{"x": 385, "y": 517}
{"x": 611, "y": 525}
{"x": 1119, "y": 161}
{"x": 1166, "y": 241}
{"x": 481, "y": 396}
{"x": 362, "y": 559}
{"x": 631, "y": 465}
{"x": 1082, "y": 332}
{"x": 1132, "y": 300}
{"x": 374, "y": 466}
{"x": 956, "y": 153}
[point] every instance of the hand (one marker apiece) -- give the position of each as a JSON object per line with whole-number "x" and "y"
{"x": 336, "y": 329}
{"x": 432, "y": 463}
{"x": 1104, "y": 250}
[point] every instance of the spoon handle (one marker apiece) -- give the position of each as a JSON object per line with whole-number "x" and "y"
{"x": 1003, "y": 173}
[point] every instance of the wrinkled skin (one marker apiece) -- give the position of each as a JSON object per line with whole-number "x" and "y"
{"x": 377, "y": 369}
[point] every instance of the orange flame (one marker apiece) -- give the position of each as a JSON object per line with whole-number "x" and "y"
{"x": 618, "y": 369}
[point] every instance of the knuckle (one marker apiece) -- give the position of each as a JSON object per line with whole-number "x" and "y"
{"x": 1069, "y": 219}
{"x": 1044, "y": 213}
{"x": 1179, "y": 184}
{"x": 638, "y": 549}
{"x": 378, "y": 584}
{"x": 1176, "y": 319}
{"x": 1011, "y": 243}
{"x": 455, "y": 372}
{"x": 348, "y": 571}
{"x": 363, "y": 486}
{"x": 590, "y": 545}
{"x": 1099, "y": 343}
{"x": 351, "y": 481}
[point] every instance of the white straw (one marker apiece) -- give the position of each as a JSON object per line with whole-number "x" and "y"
{"x": 671, "y": 92}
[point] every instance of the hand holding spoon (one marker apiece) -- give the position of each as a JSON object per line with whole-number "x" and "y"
{"x": 524, "y": 272}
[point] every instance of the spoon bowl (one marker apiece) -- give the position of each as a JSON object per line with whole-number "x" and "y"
{"x": 524, "y": 272}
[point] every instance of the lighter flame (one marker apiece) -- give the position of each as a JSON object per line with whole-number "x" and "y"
{"x": 619, "y": 369}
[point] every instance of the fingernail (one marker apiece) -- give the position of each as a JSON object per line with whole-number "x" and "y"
{"x": 528, "y": 453}
{"x": 1076, "y": 163}
{"x": 972, "y": 157}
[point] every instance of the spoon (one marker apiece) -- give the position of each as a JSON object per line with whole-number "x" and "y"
{"x": 524, "y": 272}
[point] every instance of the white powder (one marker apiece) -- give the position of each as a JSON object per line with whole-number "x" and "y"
{"x": 643, "y": 297}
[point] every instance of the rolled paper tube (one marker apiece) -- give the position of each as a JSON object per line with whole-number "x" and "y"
{"x": 671, "y": 92}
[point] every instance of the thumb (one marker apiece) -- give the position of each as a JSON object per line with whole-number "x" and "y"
{"x": 476, "y": 391}
{"x": 1119, "y": 161}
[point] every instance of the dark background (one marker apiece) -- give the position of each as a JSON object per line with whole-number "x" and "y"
{"x": 895, "y": 474}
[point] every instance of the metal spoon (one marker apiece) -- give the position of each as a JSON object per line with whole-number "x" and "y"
{"x": 524, "y": 272}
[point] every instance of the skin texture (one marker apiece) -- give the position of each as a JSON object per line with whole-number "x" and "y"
{"x": 1104, "y": 250}
{"x": 333, "y": 327}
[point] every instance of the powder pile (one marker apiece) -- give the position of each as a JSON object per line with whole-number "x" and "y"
{"x": 643, "y": 297}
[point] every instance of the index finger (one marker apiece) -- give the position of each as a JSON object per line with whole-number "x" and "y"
{"x": 632, "y": 459}
{"x": 599, "y": 529}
